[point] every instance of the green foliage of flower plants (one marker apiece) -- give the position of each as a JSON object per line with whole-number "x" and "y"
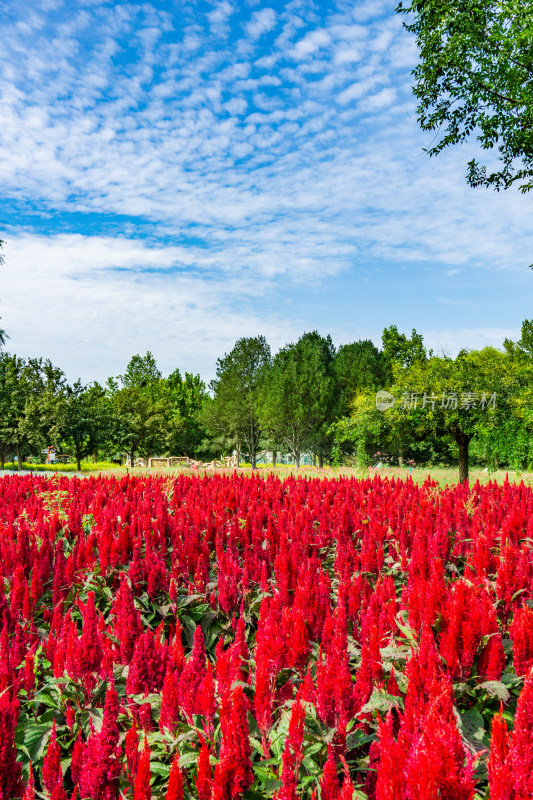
{"x": 86, "y": 466}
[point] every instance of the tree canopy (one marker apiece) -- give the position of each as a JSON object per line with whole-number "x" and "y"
{"x": 297, "y": 405}
{"x": 234, "y": 412}
{"x": 358, "y": 365}
{"x": 311, "y": 398}
{"x": 475, "y": 77}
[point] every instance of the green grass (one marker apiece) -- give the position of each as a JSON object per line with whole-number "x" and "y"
{"x": 442, "y": 475}
{"x": 450, "y": 475}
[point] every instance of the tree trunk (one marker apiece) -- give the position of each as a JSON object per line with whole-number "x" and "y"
{"x": 3, "y": 460}
{"x": 400, "y": 455}
{"x": 19, "y": 459}
{"x": 253, "y": 444}
{"x": 95, "y": 456}
{"x": 321, "y": 460}
{"x": 238, "y": 453}
{"x": 78, "y": 459}
{"x": 132, "y": 458}
{"x": 297, "y": 459}
{"x": 463, "y": 440}
{"x": 274, "y": 458}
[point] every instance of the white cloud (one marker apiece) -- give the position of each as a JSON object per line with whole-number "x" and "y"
{"x": 261, "y": 22}
{"x": 83, "y": 302}
{"x": 221, "y": 13}
{"x": 272, "y": 164}
{"x": 354, "y": 92}
{"x": 311, "y": 43}
{"x": 348, "y": 56}
{"x": 382, "y": 99}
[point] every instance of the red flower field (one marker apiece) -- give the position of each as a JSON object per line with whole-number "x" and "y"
{"x": 233, "y": 637}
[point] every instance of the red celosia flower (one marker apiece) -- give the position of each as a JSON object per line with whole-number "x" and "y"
{"x": 141, "y": 787}
{"x": 329, "y": 783}
{"x": 128, "y": 626}
{"x": 192, "y": 675}
{"x": 132, "y": 749}
{"x": 289, "y": 774}
{"x": 392, "y": 685}
{"x": 204, "y": 774}
{"x": 347, "y": 790}
{"x": 144, "y": 712}
{"x": 109, "y": 733}
{"x": 205, "y": 698}
{"x": 175, "y": 781}
{"x": 58, "y": 793}
{"x": 437, "y": 764}
{"x": 29, "y": 791}
{"x": 147, "y": 667}
{"x": 263, "y": 701}
{"x": 76, "y": 764}
{"x": 52, "y": 774}
{"x": 390, "y": 780}
{"x": 521, "y": 750}
{"x": 498, "y": 764}
{"x": 170, "y": 705}
{"x": 176, "y": 652}
{"x": 233, "y": 773}
{"x": 521, "y": 633}
{"x": 90, "y": 648}
{"x": 296, "y": 728}
{"x": 101, "y": 765}
{"x": 491, "y": 661}
{"x": 70, "y": 716}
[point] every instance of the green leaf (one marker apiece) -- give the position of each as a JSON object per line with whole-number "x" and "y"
{"x": 97, "y": 717}
{"x": 156, "y": 768}
{"x": 381, "y": 701}
{"x": 496, "y": 689}
{"x": 153, "y": 699}
{"x": 36, "y": 738}
{"x": 269, "y": 786}
{"x": 188, "y": 759}
{"x": 473, "y": 728}
{"x": 391, "y": 653}
{"x": 407, "y": 631}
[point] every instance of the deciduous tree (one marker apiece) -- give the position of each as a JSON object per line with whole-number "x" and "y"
{"x": 462, "y": 397}
{"x": 298, "y": 401}
{"x": 188, "y": 396}
{"x": 237, "y": 388}
{"x": 145, "y": 419}
{"x": 84, "y": 419}
{"x": 475, "y": 77}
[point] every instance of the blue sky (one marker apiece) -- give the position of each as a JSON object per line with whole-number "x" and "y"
{"x": 176, "y": 175}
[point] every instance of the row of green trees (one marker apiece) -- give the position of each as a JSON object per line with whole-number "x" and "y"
{"x": 479, "y": 404}
{"x": 286, "y": 403}
{"x": 139, "y": 412}
{"x": 308, "y": 397}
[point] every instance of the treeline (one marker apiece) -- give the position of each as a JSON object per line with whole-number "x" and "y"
{"x": 310, "y": 397}
{"x": 139, "y": 412}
